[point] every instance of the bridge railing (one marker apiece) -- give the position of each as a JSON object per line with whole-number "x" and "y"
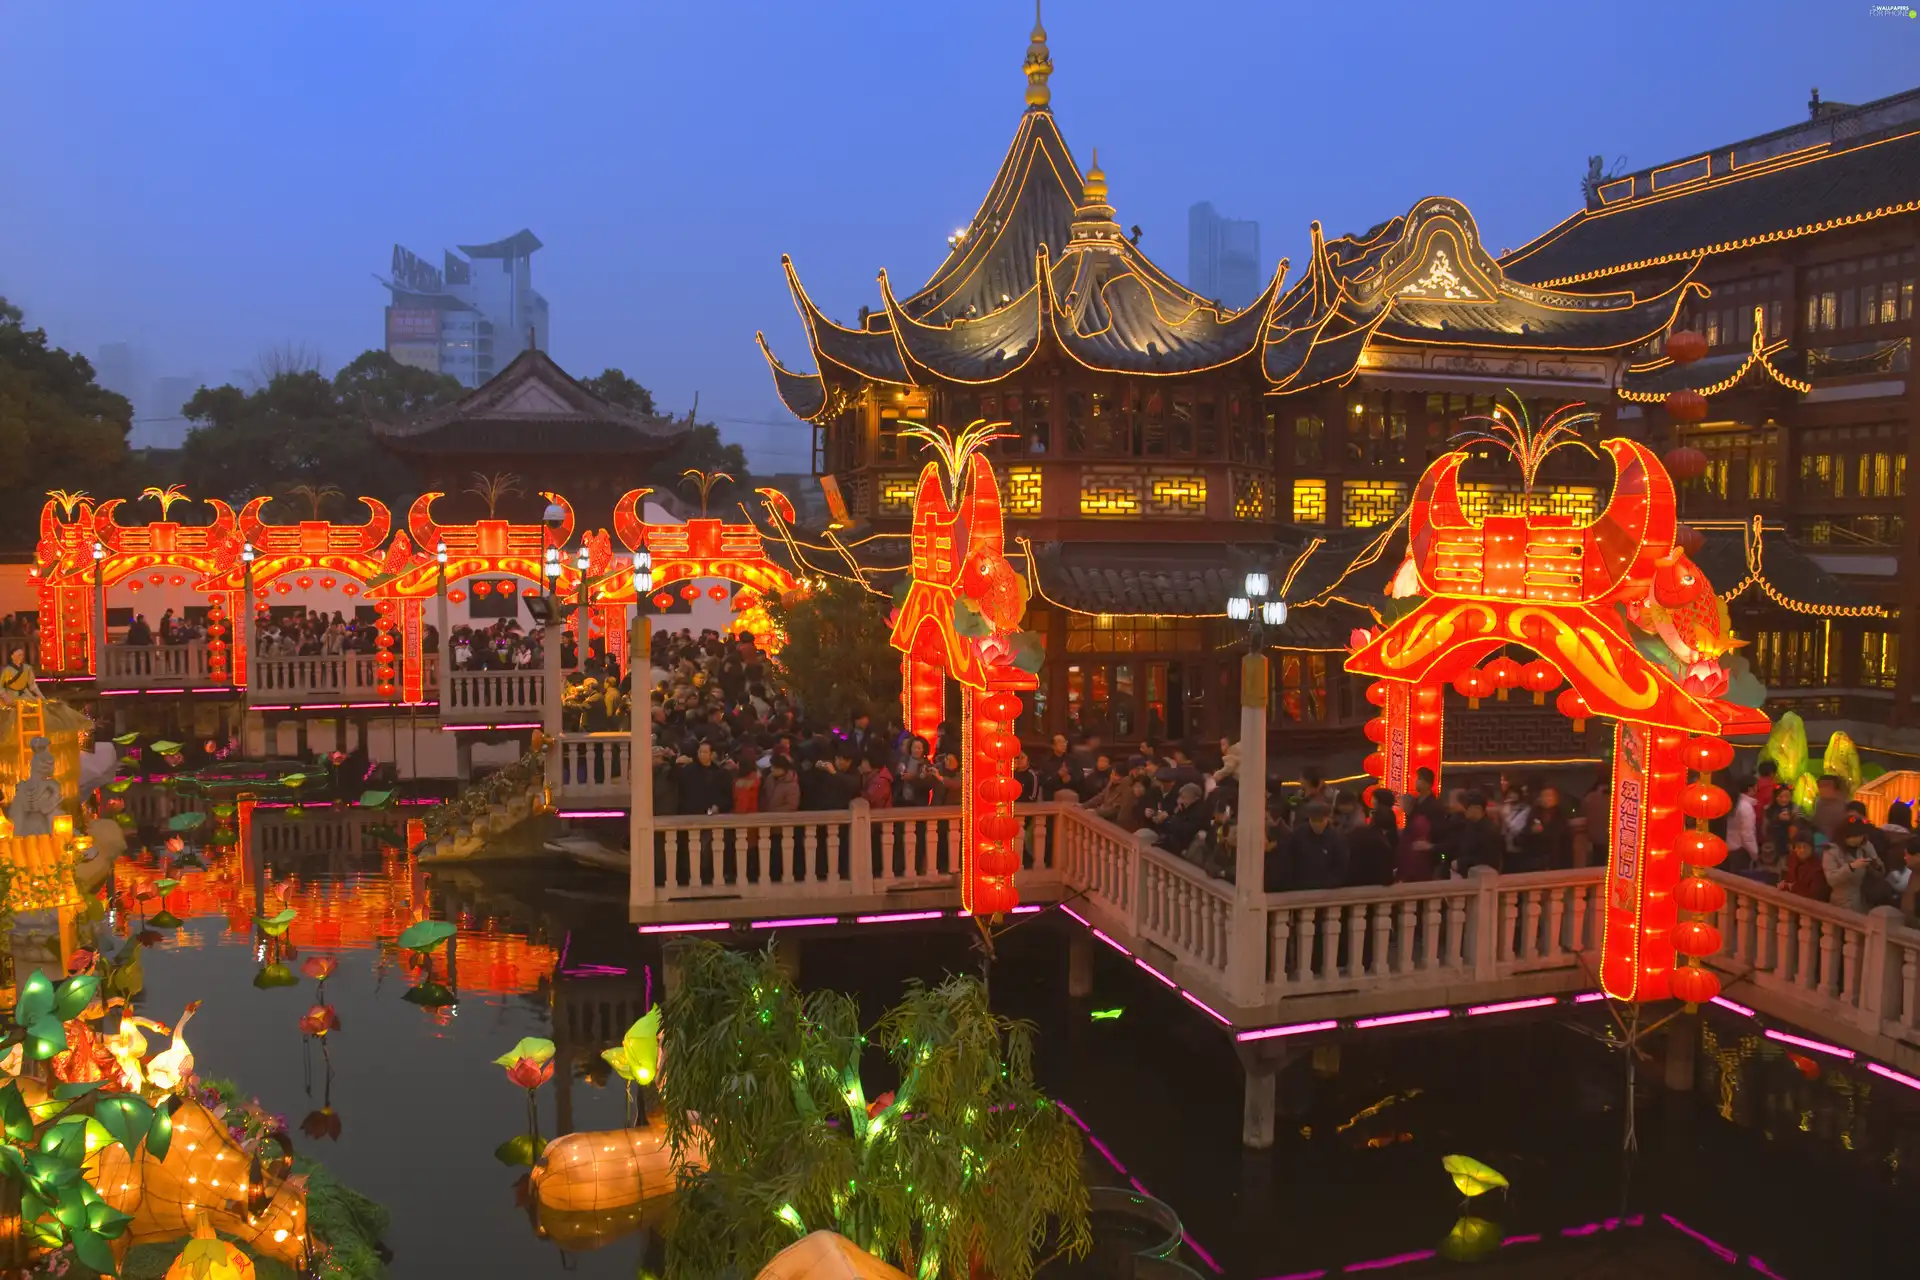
{"x": 322, "y": 678}
{"x": 493, "y": 697}
{"x": 153, "y": 666}
{"x": 595, "y": 768}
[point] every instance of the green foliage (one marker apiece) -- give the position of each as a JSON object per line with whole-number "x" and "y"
{"x": 305, "y": 432}
{"x": 836, "y": 659}
{"x": 425, "y": 936}
{"x": 966, "y": 1166}
{"x": 617, "y": 388}
{"x": 1787, "y": 747}
{"x": 58, "y": 427}
{"x": 1842, "y": 760}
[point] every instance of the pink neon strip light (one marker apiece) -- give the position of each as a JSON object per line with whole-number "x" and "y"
{"x": 895, "y": 917}
{"x": 271, "y": 706}
{"x": 1725, "y": 1003}
{"x": 1202, "y": 1254}
{"x": 1719, "y": 1250}
{"x": 1588, "y": 997}
{"x": 1156, "y": 973}
{"x": 1205, "y": 1008}
{"x": 1510, "y": 1241}
{"x": 1301, "y": 1275}
{"x": 1397, "y": 1260}
{"x": 591, "y": 813}
{"x": 1291, "y": 1029}
{"x": 1512, "y": 1006}
{"x": 800, "y": 922}
{"x": 685, "y": 928}
{"x": 473, "y": 728}
{"x": 1818, "y": 1046}
{"x": 1395, "y": 1019}
{"x": 1110, "y": 942}
{"x": 1890, "y": 1074}
{"x": 1076, "y": 915}
{"x": 1027, "y": 910}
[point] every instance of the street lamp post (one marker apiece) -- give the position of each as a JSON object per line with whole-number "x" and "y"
{"x": 1246, "y": 967}
{"x": 99, "y": 613}
{"x": 640, "y": 887}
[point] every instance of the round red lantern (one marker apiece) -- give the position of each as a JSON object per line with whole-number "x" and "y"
{"x": 1688, "y": 539}
{"x": 1504, "y": 672}
{"x": 994, "y": 896}
{"x": 482, "y": 588}
{"x": 1696, "y": 938}
{"x": 157, "y": 579}
{"x": 999, "y": 826}
{"x": 1695, "y": 984}
{"x": 1706, "y": 755}
{"x": 177, "y": 580}
{"x": 1473, "y": 685}
{"x": 716, "y": 593}
{"x": 998, "y": 790}
{"x": 1686, "y": 405}
{"x": 1701, "y": 848}
{"x": 1003, "y": 706}
{"x": 385, "y": 688}
{"x": 1375, "y": 729}
{"x": 351, "y": 589}
{"x": 1537, "y": 677}
{"x": 1375, "y": 764}
{"x": 1684, "y": 346}
{"x": 326, "y": 584}
{"x": 456, "y": 596}
{"x": 303, "y": 582}
{"x": 663, "y": 601}
{"x": 996, "y": 860}
{"x": 1685, "y": 463}
{"x": 1697, "y": 893}
{"x": 689, "y": 592}
{"x": 1000, "y": 746}
{"x": 508, "y": 587}
{"x": 134, "y": 585}
{"x": 1704, "y": 800}
{"x": 283, "y": 588}
{"x": 1377, "y": 693}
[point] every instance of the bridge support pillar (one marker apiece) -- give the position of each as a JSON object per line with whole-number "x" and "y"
{"x": 786, "y": 954}
{"x": 1683, "y": 1044}
{"x": 1079, "y": 964}
{"x": 462, "y": 756}
{"x": 1326, "y": 1060}
{"x": 1261, "y": 1104}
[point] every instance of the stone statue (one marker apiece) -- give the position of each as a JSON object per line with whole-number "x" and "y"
{"x": 37, "y": 799}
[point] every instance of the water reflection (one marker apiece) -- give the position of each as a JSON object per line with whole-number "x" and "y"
{"x": 1793, "y": 1172}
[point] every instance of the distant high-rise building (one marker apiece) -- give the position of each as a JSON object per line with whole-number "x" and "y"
{"x": 163, "y": 425}
{"x": 122, "y": 367}
{"x": 1223, "y": 256}
{"x": 470, "y": 317}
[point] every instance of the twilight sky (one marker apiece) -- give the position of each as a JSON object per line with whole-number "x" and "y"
{"x": 212, "y": 178}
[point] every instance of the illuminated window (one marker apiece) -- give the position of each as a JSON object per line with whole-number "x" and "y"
{"x": 1879, "y": 659}
{"x": 1109, "y": 494}
{"x": 896, "y": 495}
{"x": 1024, "y": 491}
{"x": 1478, "y": 501}
{"x": 1133, "y": 633}
{"x": 1367, "y": 503}
{"x": 1172, "y": 495}
{"x": 1309, "y": 433}
{"x": 1310, "y": 501}
{"x": 1249, "y": 496}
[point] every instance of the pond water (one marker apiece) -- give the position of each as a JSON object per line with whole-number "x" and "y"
{"x": 1770, "y": 1167}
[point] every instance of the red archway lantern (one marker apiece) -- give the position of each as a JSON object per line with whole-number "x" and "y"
{"x": 1695, "y": 984}
{"x": 1505, "y": 674}
{"x": 1473, "y": 684}
{"x": 1696, "y": 938}
{"x": 1708, "y": 755}
{"x": 1574, "y": 707}
{"x": 1697, "y": 893}
{"x": 1539, "y": 677}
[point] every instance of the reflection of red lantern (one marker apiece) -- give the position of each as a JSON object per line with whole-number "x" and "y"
{"x": 1697, "y": 893}
{"x": 716, "y": 593}
{"x": 1473, "y": 685}
{"x": 1573, "y": 706}
{"x": 1537, "y": 677}
{"x": 1701, "y": 848}
{"x": 482, "y": 588}
{"x": 1705, "y": 755}
{"x": 1696, "y": 938}
{"x": 1505, "y": 673}
{"x": 1695, "y": 984}
{"x": 1704, "y": 800}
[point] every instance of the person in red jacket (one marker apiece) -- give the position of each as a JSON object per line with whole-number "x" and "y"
{"x": 1802, "y": 873}
{"x": 876, "y": 782}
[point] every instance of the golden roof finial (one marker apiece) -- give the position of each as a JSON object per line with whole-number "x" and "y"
{"x": 1096, "y": 181}
{"x": 1039, "y": 63}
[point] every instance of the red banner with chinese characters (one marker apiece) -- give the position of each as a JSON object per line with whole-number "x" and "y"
{"x": 413, "y": 670}
{"x": 1636, "y": 959}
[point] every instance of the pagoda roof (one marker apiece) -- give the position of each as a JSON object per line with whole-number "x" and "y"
{"x": 1767, "y": 565}
{"x": 532, "y": 406}
{"x": 518, "y": 245}
{"x": 1733, "y": 198}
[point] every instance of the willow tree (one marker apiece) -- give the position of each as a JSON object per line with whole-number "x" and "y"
{"x": 963, "y": 1168}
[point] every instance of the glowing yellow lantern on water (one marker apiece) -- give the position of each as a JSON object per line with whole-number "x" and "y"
{"x": 208, "y": 1257}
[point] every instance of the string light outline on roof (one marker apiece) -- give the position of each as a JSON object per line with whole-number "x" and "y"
{"x": 1760, "y": 352}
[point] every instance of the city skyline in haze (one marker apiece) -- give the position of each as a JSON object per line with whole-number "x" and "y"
{"x": 210, "y": 181}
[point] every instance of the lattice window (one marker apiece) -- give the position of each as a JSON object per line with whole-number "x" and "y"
{"x": 1177, "y": 495}
{"x": 1479, "y": 501}
{"x": 1310, "y": 501}
{"x": 1113, "y": 494}
{"x": 1023, "y": 491}
{"x": 896, "y": 495}
{"x": 1366, "y": 503}
{"x": 859, "y": 491}
{"x": 1249, "y": 496}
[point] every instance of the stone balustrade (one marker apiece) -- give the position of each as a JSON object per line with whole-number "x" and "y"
{"x": 493, "y": 697}
{"x": 140, "y": 668}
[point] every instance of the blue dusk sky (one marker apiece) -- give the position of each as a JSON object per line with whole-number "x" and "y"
{"x": 209, "y": 178}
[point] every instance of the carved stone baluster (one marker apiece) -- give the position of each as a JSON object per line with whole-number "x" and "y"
{"x": 1309, "y": 921}
{"x": 1280, "y": 931}
{"x": 1850, "y": 968}
{"x": 1556, "y": 915}
{"x": 1509, "y": 917}
{"x": 1329, "y": 943}
{"x": 1406, "y": 928}
{"x": 1382, "y": 959}
{"x": 1530, "y": 943}
{"x": 1806, "y": 966}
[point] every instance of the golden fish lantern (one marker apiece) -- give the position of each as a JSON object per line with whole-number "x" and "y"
{"x": 208, "y": 1257}
{"x": 206, "y": 1172}
{"x": 596, "y": 1171}
{"x": 827, "y": 1256}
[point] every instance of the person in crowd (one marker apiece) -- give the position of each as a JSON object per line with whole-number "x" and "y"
{"x": 1804, "y": 874}
{"x": 1176, "y": 829}
{"x": 139, "y": 634}
{"x": 1596, "y": 813}
{"x": 1546, "y": 843}
{"x": 1413, "y": 858}
{"x": 1474, "y": 839}
{"x": 705, "y": 785}
{"x": 781, "y": 791}
{"x": 1372, "y": 851}
{"x": 915, "y": 784}
{"x": 1314, "y": 855}
{"x": 1766, "y": 781}
{"x": 1830, "y": 805}
{"x": 1849, "y": 863}
{"x": 1031, "y": 786}
{"x": 1743, "y": 827}
{"x": 876, "y": 779}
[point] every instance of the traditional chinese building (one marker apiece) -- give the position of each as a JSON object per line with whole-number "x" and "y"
{"x": 535, "y": 422}
{"x": 1161, "y": 444}
{"x": 1805, "y": 239}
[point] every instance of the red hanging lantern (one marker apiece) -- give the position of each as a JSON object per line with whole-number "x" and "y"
{"x": 1708, "y": 755}
{"x": 1003, "y": 707}
{"x": 326, "y": 584}
{"x": 1685, "y": 463}
{"x": 1684, "y": 346}
{"x": 662, "y": 601}
{"x": 1377, "y": 693}
{"x": 508, "y": 586}
{"x": 1505, "y": 674}
{"x": 1375, "y": 764}
{"x": 1473, "y": 685}
{"x": 1538, "y": 677}
{"x": 283, "y": 588}
{"x": 1686, "y": 405}
{"x": 481, "y": 588}
{"x": 386, "y": 688}
{"x": 995, "y": 896}
{"x": 1695, "y": 984}
{"x": 303, "y": 582}
{"x": 1696, "y": 938}
{"x": 1573, "y": 706}
{"x": 997, "y": 859}
{"x": 999, "y": 826}
{"x": 157, "y": 579}
{"x": 999, "y": 790}
{"x": 1000, "y": 746}
{"x": 177, "y": 580}
{"x": 351, "y": 589}
{"x": 1688, "y": 539}
{"x": 456, "y": 596}
{"x": 1697, "y": 893}
{"x": 1701, "y": 848}
{"x": 689, "y": 592}
{"x": 1704, "y": 800}
{"x": 1375, "y": 729}
{"x": 716, "y": 593}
